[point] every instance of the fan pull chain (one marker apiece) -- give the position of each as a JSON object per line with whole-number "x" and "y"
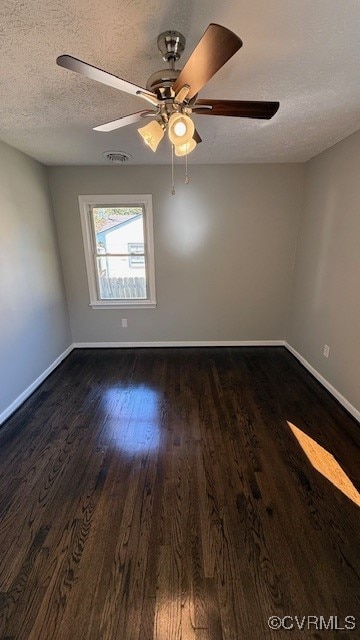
{"x": 172, "y": 171}
{"x": 186, "y": 170}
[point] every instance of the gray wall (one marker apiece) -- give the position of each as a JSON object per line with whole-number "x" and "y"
{"x": 34, "y": 327}
{"x": 224, "y": 251}
{"x": 224, "y": 246}
{"x": 325, "y": 307}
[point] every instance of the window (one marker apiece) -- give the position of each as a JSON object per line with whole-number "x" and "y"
{"x": 119, "y": 253}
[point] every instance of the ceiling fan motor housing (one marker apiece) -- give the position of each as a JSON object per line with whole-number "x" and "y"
{"x": 161, "y": 82}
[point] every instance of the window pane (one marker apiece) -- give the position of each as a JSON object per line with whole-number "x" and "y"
{"x": 119, "y": 280}
{"x": 117, "y": 227}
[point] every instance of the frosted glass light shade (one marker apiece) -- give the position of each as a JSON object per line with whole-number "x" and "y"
{"x": 181, "y": 129}
{"x": 186, "y": 148}
{"x": 152, "y": 134}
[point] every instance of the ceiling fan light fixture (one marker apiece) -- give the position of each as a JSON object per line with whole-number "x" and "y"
{"x": 181, "y": 129}
{"x": 185, "y": 149}
{"x": 152, "y": 134}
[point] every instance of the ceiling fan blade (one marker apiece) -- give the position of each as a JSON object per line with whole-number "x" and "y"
{"x": 125, "y": 120}
{"x": 238, "y": 108}
{"x": 197, "y": 137}
{"x": 216, "y": 47}
{"x": 85, "y": 69}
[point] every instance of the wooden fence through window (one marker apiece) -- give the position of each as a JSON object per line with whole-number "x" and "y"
{"x": 122, "y": 288}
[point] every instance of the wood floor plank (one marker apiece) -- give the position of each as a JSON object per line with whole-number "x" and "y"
{"x": 169, "y": 494}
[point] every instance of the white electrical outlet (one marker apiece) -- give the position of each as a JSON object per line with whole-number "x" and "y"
{"x": 124, "y": 322}
{"x": 326, "y": 350}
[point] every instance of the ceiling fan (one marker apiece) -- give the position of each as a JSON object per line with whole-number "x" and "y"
{"x": 173, "y": 93}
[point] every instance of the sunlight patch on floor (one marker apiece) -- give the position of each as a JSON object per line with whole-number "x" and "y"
{"x": 325, "y": 463}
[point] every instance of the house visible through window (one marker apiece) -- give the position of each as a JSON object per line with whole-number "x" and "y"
{"x": 136, "y": 251}
{"x": 118, "y": 250}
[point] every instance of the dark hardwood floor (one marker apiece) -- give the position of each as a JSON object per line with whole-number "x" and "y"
{"x": 178, "y": 494}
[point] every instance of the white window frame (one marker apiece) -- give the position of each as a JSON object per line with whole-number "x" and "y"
{"x": 143, "y": 200}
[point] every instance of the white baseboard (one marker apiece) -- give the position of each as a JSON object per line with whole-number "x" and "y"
{"x": 31, "y": 388}
{"x": 180, "y": 343}
{"x": 345, "y": 403}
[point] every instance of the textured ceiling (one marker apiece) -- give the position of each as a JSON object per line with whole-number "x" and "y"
{"x": 303, "y": 53}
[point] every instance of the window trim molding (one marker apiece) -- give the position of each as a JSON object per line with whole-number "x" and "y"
{"x": 145, "y": 200}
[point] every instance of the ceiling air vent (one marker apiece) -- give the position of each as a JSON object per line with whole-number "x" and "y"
{"x": 117, "y": 157}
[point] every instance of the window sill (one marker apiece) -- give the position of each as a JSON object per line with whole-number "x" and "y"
{"x": 123, "y": 305}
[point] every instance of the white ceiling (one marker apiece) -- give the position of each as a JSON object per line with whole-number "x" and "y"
{"x": 304, "y": 53}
